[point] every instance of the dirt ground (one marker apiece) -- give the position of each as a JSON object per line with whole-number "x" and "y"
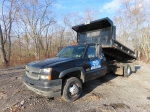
{"x": 110, "y": 93}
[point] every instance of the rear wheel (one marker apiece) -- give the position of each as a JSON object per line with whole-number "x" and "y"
{"x": 72, "y": 89}
{"x": 127, "y": 70}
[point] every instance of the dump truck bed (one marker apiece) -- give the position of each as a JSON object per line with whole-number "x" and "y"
{"x": 103, "y": 32}
{"x": 118, "y": 51}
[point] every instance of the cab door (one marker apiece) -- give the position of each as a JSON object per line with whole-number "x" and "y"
{"x": 93, "y": 64}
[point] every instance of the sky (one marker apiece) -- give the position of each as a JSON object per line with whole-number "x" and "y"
{"x": 105, "y": 8}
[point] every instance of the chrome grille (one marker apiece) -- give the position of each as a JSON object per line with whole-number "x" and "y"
{"x": 33, "y": 69}
{"x": 32, "y": 72}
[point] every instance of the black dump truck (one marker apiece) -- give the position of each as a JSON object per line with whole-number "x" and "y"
{"x": 97, "y": 53}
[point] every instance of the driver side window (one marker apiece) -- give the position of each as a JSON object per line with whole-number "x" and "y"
{"x": 91, "y": 52}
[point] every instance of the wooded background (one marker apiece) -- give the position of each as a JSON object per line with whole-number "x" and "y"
{"x": 30, "y": 31}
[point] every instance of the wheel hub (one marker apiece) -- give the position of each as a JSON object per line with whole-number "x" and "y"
{"x": 73, "y": 89}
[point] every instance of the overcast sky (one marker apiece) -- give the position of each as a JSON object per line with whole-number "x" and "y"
{"x": 105, "y": 8}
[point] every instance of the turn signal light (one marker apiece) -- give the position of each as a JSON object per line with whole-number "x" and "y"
{"x": 49, "y": 77}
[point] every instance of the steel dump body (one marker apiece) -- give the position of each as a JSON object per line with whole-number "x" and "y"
{"x": 103, "y": 32}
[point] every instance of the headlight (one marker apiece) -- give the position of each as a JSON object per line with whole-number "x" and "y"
{"x": 46, "y": 71}
{"x": 45, "y": 77}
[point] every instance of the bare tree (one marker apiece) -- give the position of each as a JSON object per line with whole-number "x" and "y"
{"x": 2, "y": 50}
{"x": 48, "y": 40}
{"x": 132, "y": 22}
{"x": 37, "y": 17}
{"x": 9, "y": 10}
{"x": 77, "y": 18}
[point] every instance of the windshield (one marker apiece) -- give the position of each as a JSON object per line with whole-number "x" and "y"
{"x": 72, "y": 52}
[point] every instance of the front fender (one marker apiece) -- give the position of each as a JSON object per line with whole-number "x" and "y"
{"x": 65, "y": 72}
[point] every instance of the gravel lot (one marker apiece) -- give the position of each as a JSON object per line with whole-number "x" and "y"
{"x": 110, "y": 93}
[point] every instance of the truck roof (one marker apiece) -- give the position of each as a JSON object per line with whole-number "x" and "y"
{"x": 93, "y": 25}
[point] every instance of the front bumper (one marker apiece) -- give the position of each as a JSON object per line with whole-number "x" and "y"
{"x": 45, "y": 88}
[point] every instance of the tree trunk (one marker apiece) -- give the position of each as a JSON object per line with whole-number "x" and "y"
{"x": 2, "y": 50}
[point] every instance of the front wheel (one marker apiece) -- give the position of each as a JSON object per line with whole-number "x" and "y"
{"x": 72, "y": 89}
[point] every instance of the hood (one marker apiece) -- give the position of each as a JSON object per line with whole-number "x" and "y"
{"x": 49, "y": 61}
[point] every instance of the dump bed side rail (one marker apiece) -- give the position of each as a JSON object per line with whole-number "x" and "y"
{"x": 124, "y": 49}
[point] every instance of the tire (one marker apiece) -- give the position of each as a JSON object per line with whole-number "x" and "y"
{"x": 127, "y": 70}
{"x": 72, "y": 89}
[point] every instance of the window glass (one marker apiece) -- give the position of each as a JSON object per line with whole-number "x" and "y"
{"x": 91, "y": 52}
{"x": 72, "y": 52}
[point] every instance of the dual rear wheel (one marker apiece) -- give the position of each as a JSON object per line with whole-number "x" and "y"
{"x": 127, "y": 70}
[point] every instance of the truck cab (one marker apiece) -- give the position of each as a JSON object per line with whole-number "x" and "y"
{"x": 90, "y": 57}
